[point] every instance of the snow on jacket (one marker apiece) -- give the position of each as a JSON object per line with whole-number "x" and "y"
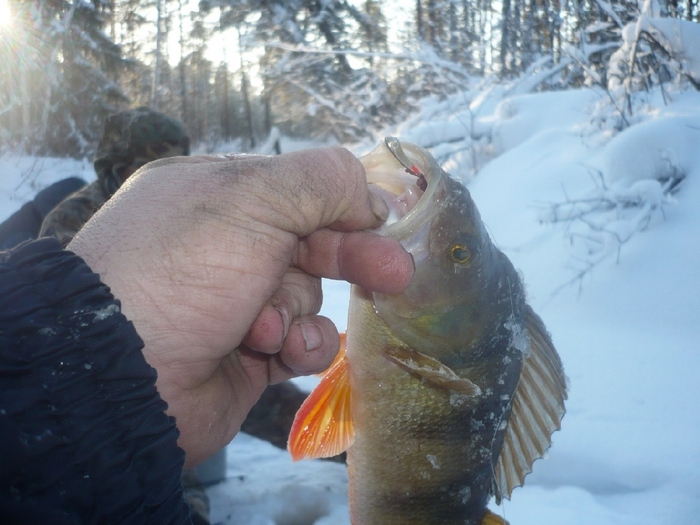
{"x": 84, "y": 437}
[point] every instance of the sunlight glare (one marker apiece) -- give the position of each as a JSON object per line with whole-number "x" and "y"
{"x": 4, "y": 13}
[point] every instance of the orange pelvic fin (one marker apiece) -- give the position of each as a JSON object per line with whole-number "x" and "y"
{"x": 493, "y": 519}
{"x": 323, "y": 426}
{"x": 431, "y": 369}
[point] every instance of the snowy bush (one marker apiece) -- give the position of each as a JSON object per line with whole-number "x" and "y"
{"x": 634, "y": 177}
{"x": 603, "y": 220}
{"x": 655, "y": 51}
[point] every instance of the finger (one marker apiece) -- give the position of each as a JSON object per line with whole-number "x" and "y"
{"x": 309, "y": 348}
{"x": 303, "y": 191}
{"x": 299, "y": 294}
{"x": 268, "y": 330}
{"x": 377, "y": 263}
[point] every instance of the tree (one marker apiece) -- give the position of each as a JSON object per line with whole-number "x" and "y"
{"x": 67, "y": 66}
{"x": 314, "y": 84}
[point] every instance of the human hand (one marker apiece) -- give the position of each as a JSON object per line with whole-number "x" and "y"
{"x": 217, "y": 262}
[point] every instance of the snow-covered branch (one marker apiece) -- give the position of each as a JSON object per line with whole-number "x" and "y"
{"x": 421, "y": 57}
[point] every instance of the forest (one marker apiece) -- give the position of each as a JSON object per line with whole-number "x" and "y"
{"x": 341, "y": 69}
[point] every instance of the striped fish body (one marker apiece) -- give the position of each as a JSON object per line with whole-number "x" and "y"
{"x": 422, "y": 454}
{"x": 449, "y": 391}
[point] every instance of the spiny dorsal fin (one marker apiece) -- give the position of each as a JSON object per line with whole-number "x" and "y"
{"x": 323, "y": 426}
{"x": 538, "y": 407}
{"x": 431, "y": 369}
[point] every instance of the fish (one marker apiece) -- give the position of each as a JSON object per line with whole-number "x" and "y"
{"x": 444, "y": 395}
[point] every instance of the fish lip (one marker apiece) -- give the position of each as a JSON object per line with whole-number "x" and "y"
{"x": 433, "y": 174}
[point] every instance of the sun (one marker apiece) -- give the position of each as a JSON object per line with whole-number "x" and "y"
{"x": 4, "y": 14}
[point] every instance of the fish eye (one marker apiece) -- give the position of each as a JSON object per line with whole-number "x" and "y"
{"x": 460, "y": 254}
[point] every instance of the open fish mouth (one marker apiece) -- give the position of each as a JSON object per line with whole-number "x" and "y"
{"x": 405, "y": 176}
{"x": 414, "y": 187}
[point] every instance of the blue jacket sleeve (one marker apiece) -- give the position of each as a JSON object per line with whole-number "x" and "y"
{"x": 83, "y": 433}
{"x": 25, "y": 223}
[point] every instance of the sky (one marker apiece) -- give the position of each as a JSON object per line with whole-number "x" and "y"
{"x": 5, "y": 15}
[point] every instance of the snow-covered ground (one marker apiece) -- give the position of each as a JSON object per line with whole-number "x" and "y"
{"x": 611, "y": 261}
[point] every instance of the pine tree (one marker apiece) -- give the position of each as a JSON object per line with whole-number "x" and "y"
{"x": 68, "y": 65}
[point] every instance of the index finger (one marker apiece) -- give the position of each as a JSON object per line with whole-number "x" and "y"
{"x": 304, "y": 191}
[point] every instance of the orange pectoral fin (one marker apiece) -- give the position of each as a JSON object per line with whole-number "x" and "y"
{"x": 323, "y": 426}
{"x": 339, "y": 356}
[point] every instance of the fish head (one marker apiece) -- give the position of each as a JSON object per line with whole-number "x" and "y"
{"x": 459, "y": 273}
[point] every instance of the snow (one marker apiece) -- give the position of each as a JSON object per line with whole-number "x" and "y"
{"x": 610, "y": 259}
{"x": 264, "y": 487}
{"x": 22, "y": 177}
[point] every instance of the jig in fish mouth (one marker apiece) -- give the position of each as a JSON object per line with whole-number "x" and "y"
{"x": 394, "y": 147}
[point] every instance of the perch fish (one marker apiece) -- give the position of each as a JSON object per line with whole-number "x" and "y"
{"x": 449, "y": 391}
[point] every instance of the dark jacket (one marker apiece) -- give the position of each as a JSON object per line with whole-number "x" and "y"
{"x": 83, "y": 433}
{"x": 25, "y": 223}
{"x": 64, "y": 221}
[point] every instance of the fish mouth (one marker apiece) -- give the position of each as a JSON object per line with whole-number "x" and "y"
{"x": 414, "y": 188}
{"x": 406, "y": 177}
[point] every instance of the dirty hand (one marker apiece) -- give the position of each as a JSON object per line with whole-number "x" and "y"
{"x": 217, "y": 262}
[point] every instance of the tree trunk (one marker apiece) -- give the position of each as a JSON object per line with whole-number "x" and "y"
{"x": 268, "y": 122}
{"x": 53, "y": 72}
{"x": 420, "y": 29}
{"x": 505, "y": 37}
{"x": 225, "y": 104}
{"x": 183, "y": 73}
{"x": 246, "y": 94}
{"x": 25, "y": 98}
{"x": 434, "y": 29}
{"x": 155, "y": 99}
{"x": 454, "y": 42}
